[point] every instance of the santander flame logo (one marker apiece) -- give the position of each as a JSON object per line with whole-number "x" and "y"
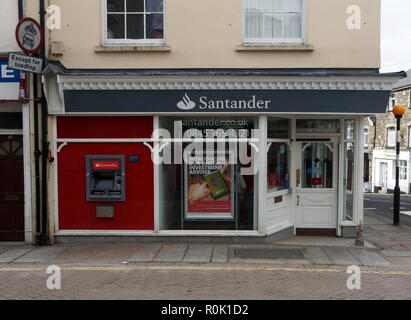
{"x": 186, "y": 103}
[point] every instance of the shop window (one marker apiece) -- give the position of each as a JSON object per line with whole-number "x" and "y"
{"x": 278, "y": 128}
{"x": 11, "y": 120}
{"x": 134, "y": 21}
{"x": 366, "y": 167}
{"x": 349, "y": 170}
{"x": 391, "y": 138}
{"x": 277, "y": 167}
{"x": 318, "y": 126}
{"x": 274, "y": 21}
{"x": 204, "y": 189}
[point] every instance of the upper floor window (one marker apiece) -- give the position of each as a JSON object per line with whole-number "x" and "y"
{"x": 134, "y": 21}
{"x": 365, "y": 137}
{"x": 392, "y": 102}
{"x": 391, "y": 138}
{"x": 273, "y": 21}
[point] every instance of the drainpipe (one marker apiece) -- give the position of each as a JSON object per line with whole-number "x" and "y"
{"x": 21, "y": 9}
{"x": 45, "y": 144}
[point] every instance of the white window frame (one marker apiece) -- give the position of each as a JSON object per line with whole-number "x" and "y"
{"x": 409, "y": 136}
{"x": 387, "y": 139}
{"x": 278, "y": 41}
{"x": 366, "y": 132}
{"x": 133, "y": 42}
{"x": 403, "y": 170}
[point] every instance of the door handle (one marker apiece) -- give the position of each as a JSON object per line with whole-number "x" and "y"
{"x": 298, "y": 200}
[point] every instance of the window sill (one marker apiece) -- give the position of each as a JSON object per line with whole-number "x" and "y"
{"x": 132, "y": 48}
{"x": 277, "y": 47}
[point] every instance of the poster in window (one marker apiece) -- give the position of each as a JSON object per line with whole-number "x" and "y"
{"x": 208, "y": 187}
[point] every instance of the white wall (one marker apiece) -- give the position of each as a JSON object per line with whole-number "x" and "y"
{"x": 9, "y": 16}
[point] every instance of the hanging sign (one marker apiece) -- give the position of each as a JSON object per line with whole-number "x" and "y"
{"x": 24, "y": 62}
{"x": 29, "y": 35}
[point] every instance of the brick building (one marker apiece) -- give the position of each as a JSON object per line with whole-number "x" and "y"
{"x": 380, "y": 141}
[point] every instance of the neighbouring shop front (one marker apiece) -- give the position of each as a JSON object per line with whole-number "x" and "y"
{"x": 15, "y": 175}
{"x": 216, "y": 156}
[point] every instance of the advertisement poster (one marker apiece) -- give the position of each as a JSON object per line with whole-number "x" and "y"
{"x": 208, "y": 187}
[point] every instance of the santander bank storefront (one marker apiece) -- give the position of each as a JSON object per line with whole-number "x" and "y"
{"x": 201, "y": 153}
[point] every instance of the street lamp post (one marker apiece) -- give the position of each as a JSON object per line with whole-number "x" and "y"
{"x": 398, "y": 112}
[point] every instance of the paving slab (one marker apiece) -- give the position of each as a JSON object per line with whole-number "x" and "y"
{"x": 171, "y": 253}
{"x": 369, "y": 258}
{"x": 41, "y": 254}
{"x": 269, "y": 253}
{"x": 220, "y": 254}
{"x": 4, "y": 248}
{"x": 12, "y": 254}
{"x": 198, "y": 253}
{"x": 317, "y": 241}
{"x": 396, "y": 253}
{"x": 402, "y": 262}
{"x": 341, "y": 256}
{"x": 317, "y": 255}
{"x": 145, "y": 252}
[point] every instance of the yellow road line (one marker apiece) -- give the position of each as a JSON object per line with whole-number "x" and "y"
{"x": 202, "y": 268}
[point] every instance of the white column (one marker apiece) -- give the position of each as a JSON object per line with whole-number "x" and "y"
{"x": 28, "y": 222}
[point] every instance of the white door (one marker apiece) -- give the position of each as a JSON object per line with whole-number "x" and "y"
{"x": 316, "y": 188}
{"x": 383, "y": 174}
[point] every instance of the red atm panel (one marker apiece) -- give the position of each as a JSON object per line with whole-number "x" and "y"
{"x": 76, "y": 213}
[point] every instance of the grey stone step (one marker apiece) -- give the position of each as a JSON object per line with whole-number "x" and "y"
{"x": 220, "y": 254}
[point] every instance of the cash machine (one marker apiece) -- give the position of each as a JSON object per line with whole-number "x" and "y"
{"x": 105, "y": 179}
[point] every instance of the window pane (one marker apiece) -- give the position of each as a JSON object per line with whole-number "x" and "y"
{"x": 135, "y": 5}
{"x": 293, "y": 6}
{"x": 11, "y": 120}
{"x": 154, "y": 26}
{"x": 135, "y": 26}
{"x": 115, "y": 5}
{"x": 253, "y": 25}
{"x": 318, "y": 126}
{"x": 277, "y": 167}
{"x": 365, "y": 137}
{"x": 348, "y": 180}
{"x": 154, "y": 5}
{"x": 317, "y": 165}
{"x": 115, "y": 26}
{"x": 349, "y": 129}
{"x": 292, "y": 25}
{"x": 278, "y": 128}
{"x": 273, "y": 25}
{"x": 391, "y": 141}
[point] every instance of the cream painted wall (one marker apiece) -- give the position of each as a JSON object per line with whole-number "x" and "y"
{"x": 9, "y": 16}
{"x": 204, "y": 34}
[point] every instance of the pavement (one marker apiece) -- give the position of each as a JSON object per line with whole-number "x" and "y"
{"x": 385, "y": 246}
{"x": 295, "y": 268}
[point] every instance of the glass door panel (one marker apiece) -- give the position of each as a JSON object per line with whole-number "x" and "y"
{"x": 317, "y": 165}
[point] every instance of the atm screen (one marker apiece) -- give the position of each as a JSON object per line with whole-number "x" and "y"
{"x": 103, "y": 181}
